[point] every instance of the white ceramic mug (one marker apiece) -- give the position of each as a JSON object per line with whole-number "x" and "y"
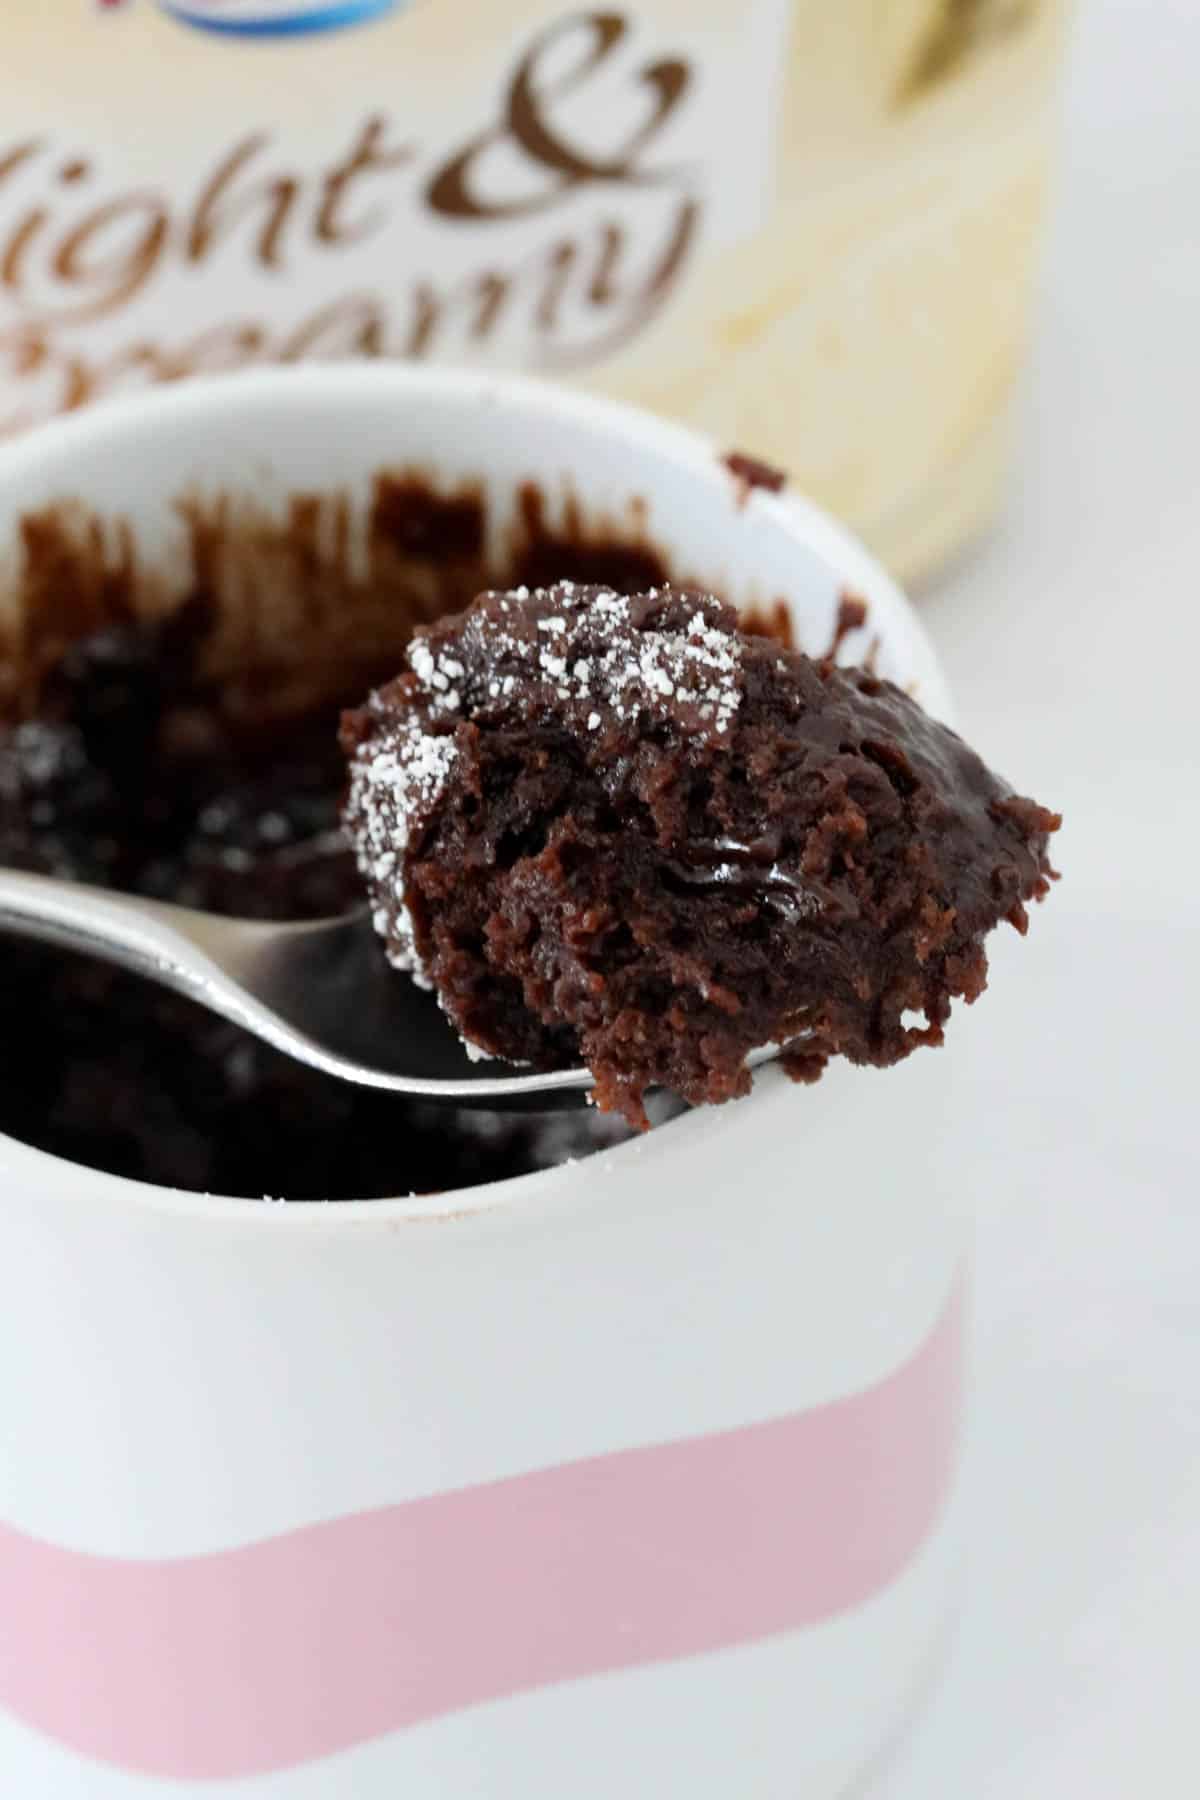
{"x": 627, "y": 1478}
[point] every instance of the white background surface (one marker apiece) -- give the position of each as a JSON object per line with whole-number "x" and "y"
{"x": 1071, "y": 639}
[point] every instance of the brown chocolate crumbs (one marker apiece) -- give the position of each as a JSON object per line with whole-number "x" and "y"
{"x": 773, "y": 621}
{"x": 749, "y": 472}
{"x": 851, "y": 617}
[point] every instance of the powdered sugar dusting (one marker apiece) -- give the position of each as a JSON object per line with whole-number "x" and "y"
{"x": 396, "y": 781}
{"x": 588, "y": 652}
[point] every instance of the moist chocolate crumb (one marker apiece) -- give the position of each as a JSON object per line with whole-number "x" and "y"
{"x": 851, "y": 616}
{"x": 619, "y": 829}
{"x": 750, "y": 473}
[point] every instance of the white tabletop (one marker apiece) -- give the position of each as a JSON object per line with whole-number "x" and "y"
{"x": 1073, "y": 641}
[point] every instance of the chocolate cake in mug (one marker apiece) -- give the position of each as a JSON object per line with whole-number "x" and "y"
{"x": 631, "y": 1473}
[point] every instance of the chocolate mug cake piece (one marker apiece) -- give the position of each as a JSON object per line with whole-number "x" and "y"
{"x": 623, "y": 830}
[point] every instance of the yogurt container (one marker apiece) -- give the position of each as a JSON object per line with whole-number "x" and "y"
{"x": 805, "y": 226}
{"x": 631, "y": 1476}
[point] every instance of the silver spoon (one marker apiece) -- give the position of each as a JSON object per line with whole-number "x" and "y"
{"x": 320, "y": 992}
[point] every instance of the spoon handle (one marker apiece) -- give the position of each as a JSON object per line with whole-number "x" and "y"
{"x": 167, "y": 944}
{"x": 247, "y": 971}
{"x": 74, "y": 916}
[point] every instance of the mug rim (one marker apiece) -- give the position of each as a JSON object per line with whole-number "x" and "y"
{"x": 199, "y": 402}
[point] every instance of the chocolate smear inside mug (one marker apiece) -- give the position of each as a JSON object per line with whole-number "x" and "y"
{"x": 183, "y": 745}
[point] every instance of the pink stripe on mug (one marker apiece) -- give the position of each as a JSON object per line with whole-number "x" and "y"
{"x": 278, "y": 1653}
{"x": 373, "y": 1426}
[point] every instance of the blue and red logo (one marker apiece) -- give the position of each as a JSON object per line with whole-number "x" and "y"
{"x": 275, "y": 18}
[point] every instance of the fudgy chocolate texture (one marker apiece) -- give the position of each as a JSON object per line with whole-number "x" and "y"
{"x": 130, "y": 774}
{"x": 622, "y": 830}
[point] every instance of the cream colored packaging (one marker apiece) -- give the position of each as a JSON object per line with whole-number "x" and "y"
{"x": 803, "y": 225}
